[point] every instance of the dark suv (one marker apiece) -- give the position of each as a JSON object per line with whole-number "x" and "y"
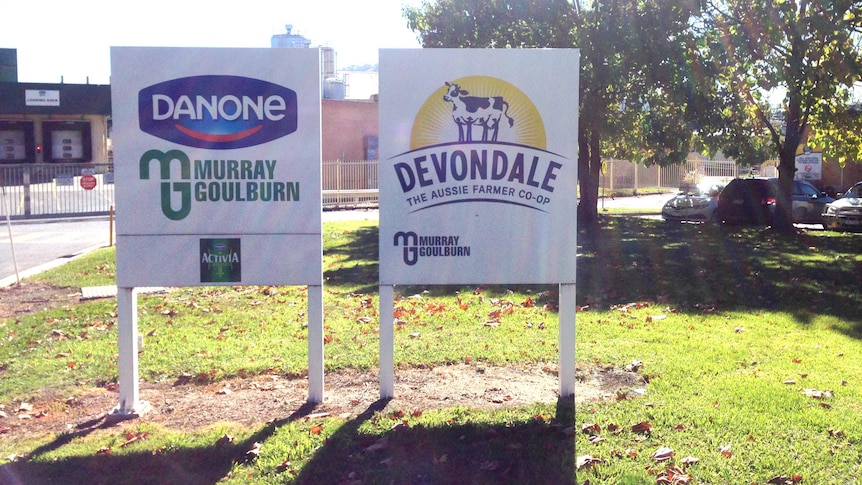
{"x": 808, "y": 201}
{"x": 747, "y": 201}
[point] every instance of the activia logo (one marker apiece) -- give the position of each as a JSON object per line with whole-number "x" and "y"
{"x": 218, "y": 112}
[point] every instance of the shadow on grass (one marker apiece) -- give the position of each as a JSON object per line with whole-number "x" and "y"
{"x": 706, "y": 268}
{"x": 692, "y": 267}
{"x": 357, "y": 261}
{"x": 541, "y": 450}
{"x": 188, "y": 466}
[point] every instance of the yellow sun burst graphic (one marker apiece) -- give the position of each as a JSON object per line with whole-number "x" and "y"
{"x": 435, "y": 123}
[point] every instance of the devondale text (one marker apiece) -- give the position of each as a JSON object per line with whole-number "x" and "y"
{"x": 427, "y": 169}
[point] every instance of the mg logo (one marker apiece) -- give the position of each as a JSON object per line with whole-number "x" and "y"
{"x": 410, "y": 241}
{"x": 184, "y": 189}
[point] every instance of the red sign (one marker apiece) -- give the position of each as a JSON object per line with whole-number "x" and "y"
{"x": 88, "y": 182}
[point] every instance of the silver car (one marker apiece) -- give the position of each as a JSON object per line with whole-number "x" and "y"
{"x": 694, "y": 205}
{"x": 846, "y": 212}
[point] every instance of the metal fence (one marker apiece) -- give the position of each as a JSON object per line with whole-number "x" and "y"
{"x": 352, "y": 183}
{"x": 60, "y": 190}
{"x": 56, "y": 189}
{"x": 622, "y": 175}
{"x": 31, "y": 191}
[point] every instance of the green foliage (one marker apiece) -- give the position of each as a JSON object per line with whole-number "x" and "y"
{"x": 641, "y": 78}
{"x": 97, "y": 269}
{"x": 808, "y": 50}
{"x": 492, "y": 24}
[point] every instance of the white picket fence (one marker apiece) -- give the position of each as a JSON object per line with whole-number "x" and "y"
{"x": 56, "y": 190}
{"x": 622, "y": 175}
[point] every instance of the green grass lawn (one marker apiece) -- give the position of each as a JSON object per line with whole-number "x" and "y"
{"x": 748, "y": 344}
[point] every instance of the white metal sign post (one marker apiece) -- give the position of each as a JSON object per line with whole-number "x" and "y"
{"x": 218, "y": 180}
{"x": 478, "y": 177}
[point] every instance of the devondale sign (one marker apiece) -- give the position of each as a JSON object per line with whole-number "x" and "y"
{"x": 478, "y": 176}
{"x": 478, "y": 170}
{"x": 218, "y": 178}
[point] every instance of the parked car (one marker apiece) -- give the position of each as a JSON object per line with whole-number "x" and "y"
{"x": 695, "y": 204}
{"x": 808, "y": 202}
{"x": 746, "y": 201}
{"x": 846, "y": 212}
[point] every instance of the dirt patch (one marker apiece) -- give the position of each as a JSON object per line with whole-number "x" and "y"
{"x": 27, "y": 297}
{"x": 261, "y": 399}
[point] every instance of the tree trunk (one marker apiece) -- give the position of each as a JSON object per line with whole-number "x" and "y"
{"x": 784, "y": 199}
{"x": 787, "y": 164}
{"x": 589, "y": 168}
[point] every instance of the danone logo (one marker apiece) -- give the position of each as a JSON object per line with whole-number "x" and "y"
{"x": 477, "y": 139}
{"x": 217, "y": 112}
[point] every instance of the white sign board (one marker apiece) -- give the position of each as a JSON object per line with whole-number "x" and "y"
{"x": 41, "y": 97}
{"x": 217, "y": 166}
{"x": 809, "y": 165}
{"x": 478, "y": 166}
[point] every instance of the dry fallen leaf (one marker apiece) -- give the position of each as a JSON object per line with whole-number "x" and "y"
{"x": 689, "y": 460}
{"x": 663, "y": 454}
{"x": 254, "y": 452}
{"x": 587, "y": 461}
{"x": 673, "y": 476}
{"x": 642, "y": 427}
{"x": 817, "y": 394}
{"x": 23, "y": 408}
{"x": 591, "y": 429}
{"x": 133, "y": 437}
{"x": 594, "y": 440}
{"x": 634, "y": 366}
{"x": 225, "y": 439}
{"x": 381, "y": 444}
{"x": 784, "y": 480}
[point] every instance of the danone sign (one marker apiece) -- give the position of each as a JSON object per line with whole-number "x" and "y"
{"x": 219, "y": 112}
{"x": 217, "y": 155}
{"x": 478, "y": 166}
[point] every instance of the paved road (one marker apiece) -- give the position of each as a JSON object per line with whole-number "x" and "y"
{"x": 42, "y": 244}
{"x": 647, "y": 203}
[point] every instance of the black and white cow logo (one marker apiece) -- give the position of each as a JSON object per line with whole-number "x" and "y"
{"x": 470, "y": 111}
